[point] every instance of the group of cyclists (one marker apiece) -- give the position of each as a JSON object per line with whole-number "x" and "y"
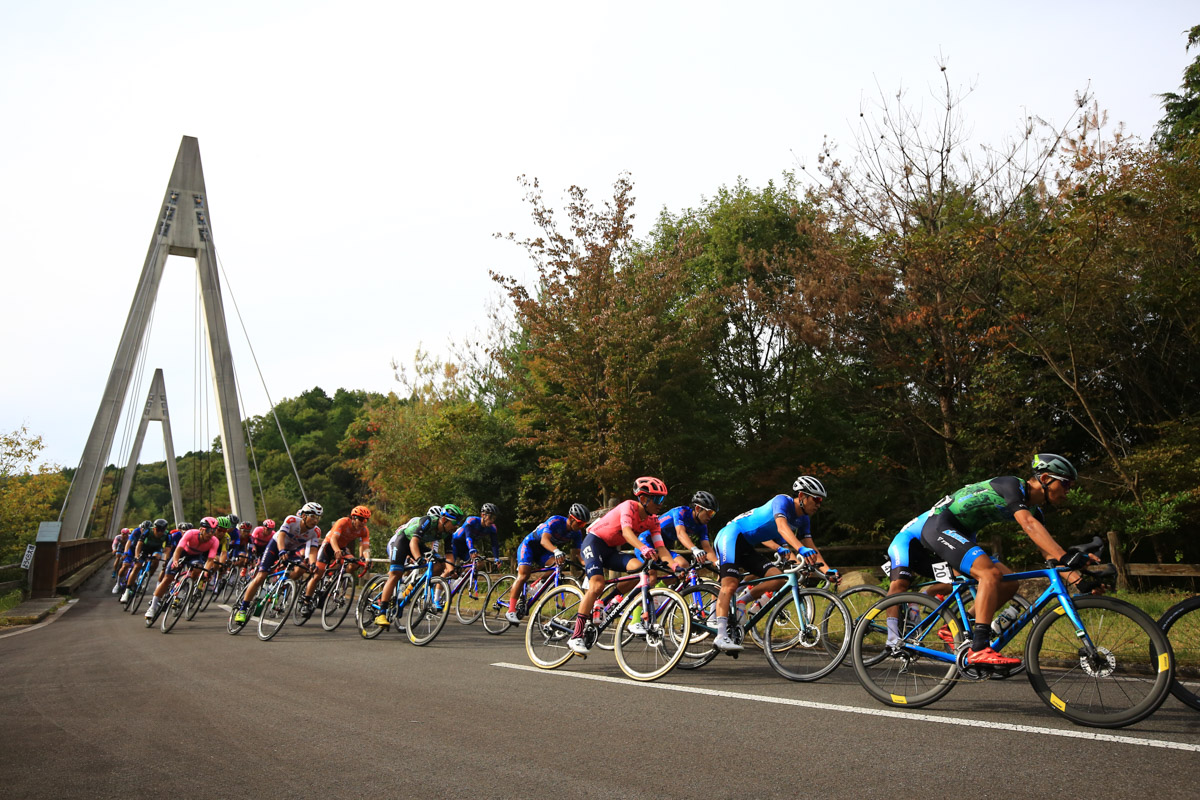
{"x": 674, "y": 538}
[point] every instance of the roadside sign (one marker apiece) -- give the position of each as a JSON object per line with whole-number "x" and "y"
{"x": 28, "y": 559}
{"x": 48, "y": 531}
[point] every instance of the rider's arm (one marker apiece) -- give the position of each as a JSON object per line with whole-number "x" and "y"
{"x": 681, "y": 533}
{"x": 1037, "y": 532}
{"x": 785, "y": 533}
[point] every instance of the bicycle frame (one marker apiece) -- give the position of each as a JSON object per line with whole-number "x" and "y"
{"x": 792, "y": 590}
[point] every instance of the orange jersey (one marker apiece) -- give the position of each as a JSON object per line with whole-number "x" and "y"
{"x": 342, "y": 536}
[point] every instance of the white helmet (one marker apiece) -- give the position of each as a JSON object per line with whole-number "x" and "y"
{"x": 310, "y": 508}
{"x": 809, "y": 485}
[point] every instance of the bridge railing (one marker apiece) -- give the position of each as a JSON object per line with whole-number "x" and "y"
{"x": 54, "y": 561}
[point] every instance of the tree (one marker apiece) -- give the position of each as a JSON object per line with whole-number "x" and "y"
{"x": 29, "y": 492}
{"x": 1181, "y": 112}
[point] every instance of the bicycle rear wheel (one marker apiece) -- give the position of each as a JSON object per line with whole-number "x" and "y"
{"x": 337, "y": 602}
{"x": 276, "y": 607}
{"x": 919, "y": 669}
{"x": 139, "y": 592}
{"x": 701, "y": 604}
{"x": 365, "y": 610}
{"x": 1124, "y": 683}
{"x": 550, "y": 623}
{"x": 175, "y": 605}
{"x": 859, "y": 600}
{"x": 196, "y": 601}
{"x": 212, "y": 588}
{"x": 1181, "y": 623}
{"x": 496, "y": 605}
{"x": 808, "y": 640}
{"x": 428, "y": 611}
{"x": 472, "y": 597}
{"x": 650, "y": 655}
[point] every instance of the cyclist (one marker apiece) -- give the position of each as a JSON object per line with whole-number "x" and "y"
{"x": 118, "y": 548}
{"x": 298, "y": 532}
{"x": 341, "y": 535}
{"x": 259, "y": 538}
{"x": 128, "y": 569}
{"x": 619, "y": 526}
{"x": 196, "y": 548}
{"x": 157, "y": 540}
{"x": 782, "y": 524}
{"x": 687, "y": 526}
{"x": 429, "y": 529}
{"x": 948, "y": 532}
{"x": 466, "y": 540}
{"x": 545, "y": 542}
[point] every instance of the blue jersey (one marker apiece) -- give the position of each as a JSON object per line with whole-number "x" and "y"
{"x": 758, "y": 525}
{"x": 561, "y": 536}
{"x": 680, "y": 515}
{"x": 135, "y": 536}
{"x": 472, "y": 532}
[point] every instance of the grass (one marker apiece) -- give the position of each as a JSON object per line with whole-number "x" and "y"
{"x": 11, "y": 599}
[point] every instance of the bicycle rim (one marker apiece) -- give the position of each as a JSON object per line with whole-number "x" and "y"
{"x": 1124, "y": 683}
{"x": 649, "y": 656}
{"x": 496, "y": 604}
{"x": 176, "y": 605}
{"x": 428, "y": 612}
{"x": 471, "y": 597}
{"x": 337, "y": 602}
{"x": 276, "y": 608}
{"x": 903, "y": 676}
{"x": 807, "y": 641}
{"x": 1181, "y": 623}
{"x": 701, "y": 604}
{"x": 549, "y": 626}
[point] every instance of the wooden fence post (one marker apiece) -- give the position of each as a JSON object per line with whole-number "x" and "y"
{"x": 1118, "y": 560}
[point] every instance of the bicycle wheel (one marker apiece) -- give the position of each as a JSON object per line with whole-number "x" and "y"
{"x": 700, "y": 602}
{"x": 337, "y": 602}
{"x": 139, "y": 592}
{"x": 471, "y": 597}
{"x": 176, "y": 605}
{"x": 365, "y": 609}
{"x": 229, "y": 588}
{"x": 299, "y": 617}
{"x": 650, "y": 655}
{"x": 428, "y": 611}
{"x": 369, "y": 594}
{"x": 859, "y": 599}
{"x": 276, "y": 607}
{"x": 549, "y": 626}
{"x": 211, "y": 588}
{"x": 232, "y": 625}
{"x": 194, "y": 603}
{"x": 496, "y": 604}
{"x": 1124, "y": 683}
{"x": 913, "y": 672}
{"x": 1181, "y": 623}
{"x": 808, "y": 640}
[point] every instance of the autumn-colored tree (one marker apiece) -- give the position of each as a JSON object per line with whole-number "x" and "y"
{"x": 29, "y": 492}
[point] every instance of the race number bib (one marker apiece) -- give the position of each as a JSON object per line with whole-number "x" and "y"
{"x": 942, "y": 572}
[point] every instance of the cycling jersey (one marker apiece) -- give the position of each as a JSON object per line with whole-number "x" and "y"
{"x": 424, "y": 529}
{"x": 906, "y": 552}
{"x": 983, "y": 503}
{"x": 680, "y": 515}
{"x": 758, "y": 525}
{"x": 341, "y": 534}
{"x": 629, "y": 514}
{"x": 120, "y": 540}
{"x": 294, "y": 535}
{"x": 153, "y": 542}
{"x": 260, "y": 536}
{"x": 532, "y": 551}
{"x": 470, "y": 534}
{"x": 192, "y": 546}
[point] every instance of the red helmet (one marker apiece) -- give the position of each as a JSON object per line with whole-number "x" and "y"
{"x": 269, "y": 524}
{"x": 647, "y": 485}
{"x": 361, "y": 511}
{"x": 125, "y": 531}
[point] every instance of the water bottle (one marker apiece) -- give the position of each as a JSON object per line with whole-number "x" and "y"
{"x": 1005, "y": 618}
{"x": 598, "y": 612}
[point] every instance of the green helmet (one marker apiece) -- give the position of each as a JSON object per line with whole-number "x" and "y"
{"x": 1057, "y": 466}
{"x": 224, "y": 522}
{"x": 453, "y": 513}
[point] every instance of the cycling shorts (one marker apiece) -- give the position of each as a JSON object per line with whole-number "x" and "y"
{"x": 735, "y": 554}
{"x": 397, "y": 554}
{"x": 532, "y": 554}
{"x": 949, "y": 544}
{"x": 188, "y": 562}
{"x": 460, "y": 550}
{"x": 271, "y": 555}
{"x": 598, "y": 556}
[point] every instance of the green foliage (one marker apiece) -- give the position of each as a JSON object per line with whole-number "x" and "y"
{"x": 29, "y": 492}
{"x": 1180, "y": 125}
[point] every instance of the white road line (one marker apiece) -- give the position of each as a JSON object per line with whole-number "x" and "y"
{"x": 870, "y": 712}
{"x": 52, "y": 618}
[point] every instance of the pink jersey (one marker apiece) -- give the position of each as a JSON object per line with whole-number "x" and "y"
{"x": 192, "y": 545}
{"x": 261, "y": 535}
{"x": 627, "y": 515}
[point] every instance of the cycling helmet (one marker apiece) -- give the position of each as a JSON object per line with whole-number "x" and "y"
{"x": 224, "y": 523}
{"x": 361, "y": 511}
{"x": 705, "y": 500}
{"x": 580, "y": 512}
{"x": 235, "y": 519}
{"x": 648, "y": 485}
{"x": 1055, "y": 466}
{"x": 124, "y": 531}
{"x": 145, "y": 525}
{"x": 245, "y": 526}
{"x": 434, "y": 512}
{"x": 310, "y": 508}
{"x": 269, "y": 524}
{"x": 209, "y": 524}
{"x": 490, "y": 508}
{"x": 160, "y": 524}
{"x": 184, "y": 527}
{"x": 810, "y": 486}
{"x": 453, "y": 512}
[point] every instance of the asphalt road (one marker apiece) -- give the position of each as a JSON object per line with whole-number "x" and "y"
{"x": 95, "y": 705}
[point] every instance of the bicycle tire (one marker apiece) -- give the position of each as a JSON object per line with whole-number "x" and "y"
{"x": 337, "y": 602}
{"x": 363, "y": 609}
{"x": 176, "y": 604}
{"x": 1181, "y": 624}
{"x": 806, "y": 642}
{"x": 901, "y": 677}
{"x": 1126, "y": 684}
{"x": 277, "y": 607}
{"x": 139, "y": 593}
{"x": 196, "y": 600}
{"x": 232, "y": 626}
{"x": 549, "y": 626}
{"x": 373, "y": 585}
{"x": 496, "y": 604}
{"x": 211, "y": 586}
{"x": 859, "y": 599}
{"x": 229, "y": 588}
{"x": 701, "y": 603}
{"x": 428, "y": 611}
{"x": 474, "y": 592}
{"x": 298, "y": 617}
{"x": 649, "y": 656}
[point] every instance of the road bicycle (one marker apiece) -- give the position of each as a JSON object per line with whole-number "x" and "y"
{"x": 145, "y": 576}
{"x": 337, "y": 582}
{"x": 1095, "y": 660}
{"x": 646, "y": 649}
{"x": 1181, "y": 623}
{"x": 495, "y": 607}
{"x": 423, "y": 602}
{"x": 470, "y": 590}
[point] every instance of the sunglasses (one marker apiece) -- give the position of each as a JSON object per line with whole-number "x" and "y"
{"x": 658, "y": 498}
{"x": 816, "y": 499}
{"x": 1066, "y": 482}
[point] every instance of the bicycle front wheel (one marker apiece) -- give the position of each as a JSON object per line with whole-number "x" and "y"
{"x": 337, "y": 603}
{"x": 472, "y": 596}
{"x": 366, "y": 609}
{"x": 276, "y": 608}
{"x": 138, "y": 593}
{"x": 701, "y": 603}
{"x": 196, "y": 601}
{"x": 550, "y": 624}
{"x": 428, "y": 612}
{"x": 211, "y": 588}
{"x": 859, "y": 599}
{"x": 1181, "y": 623}
{"x": 918, "y": 668}
{"x": 176, "y": 605}
{"x": 496, "y": 604}
{"x": 1124, "y": 682}
{"x": 806, "y": 641}
{"x": 650, "y": 655}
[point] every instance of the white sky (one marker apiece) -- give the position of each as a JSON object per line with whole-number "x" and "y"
{"x": 359, "y": 156}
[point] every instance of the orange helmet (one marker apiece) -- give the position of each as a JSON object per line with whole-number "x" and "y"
{"x": 361, "y": 511}
{"x": 647, "y": 485}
